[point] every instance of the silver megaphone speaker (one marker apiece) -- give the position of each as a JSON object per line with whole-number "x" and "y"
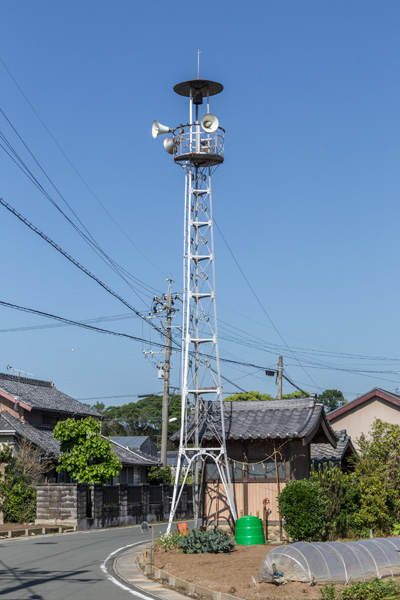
{"x": 209, "y": 123}
{"x": 170, "y": 145}
{"x": 158, "y": 129}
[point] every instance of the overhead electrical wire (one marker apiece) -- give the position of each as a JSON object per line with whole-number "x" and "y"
{"x": 54, "y": 325}
{"x": 75, "y": 262}
{"x": 262, "y": 307}
{"x": 88, "y": 238}
{"x": 76, "y": 171}
{"x": 99, "y": 330}
{"x": 87, "y": 272}
{"x": 77, "y": 323}
{"x": 118, "y": 268}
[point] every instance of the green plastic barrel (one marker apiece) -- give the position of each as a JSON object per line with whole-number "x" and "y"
{"x": 249, "y": 531}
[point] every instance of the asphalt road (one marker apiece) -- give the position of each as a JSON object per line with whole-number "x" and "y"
{"x": 66, "y": 566}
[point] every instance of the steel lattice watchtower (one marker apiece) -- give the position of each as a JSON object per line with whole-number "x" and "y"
{"x": 198, "y": 147}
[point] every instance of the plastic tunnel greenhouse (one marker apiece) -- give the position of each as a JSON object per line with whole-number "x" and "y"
{"x": 324, "y": 562}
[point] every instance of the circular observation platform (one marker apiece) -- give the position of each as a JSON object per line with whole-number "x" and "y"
{"x": 199, "y": 159}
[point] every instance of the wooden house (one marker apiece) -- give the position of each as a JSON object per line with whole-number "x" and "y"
{"x": 30, "y": 409}
{"x": 268, "y": 444}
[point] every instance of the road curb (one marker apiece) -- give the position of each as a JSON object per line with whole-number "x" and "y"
{"x": 133, "y": 566}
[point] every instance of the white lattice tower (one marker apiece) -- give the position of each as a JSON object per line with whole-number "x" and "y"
{"x": 198, "y": 147}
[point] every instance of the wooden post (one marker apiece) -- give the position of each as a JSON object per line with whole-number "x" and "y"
{"x": 278, "y": 487}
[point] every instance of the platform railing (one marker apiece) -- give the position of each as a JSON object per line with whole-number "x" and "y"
{"x": 191, "y": 139}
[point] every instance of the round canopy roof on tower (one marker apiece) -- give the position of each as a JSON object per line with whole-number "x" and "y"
{"x": 183, "y": 89}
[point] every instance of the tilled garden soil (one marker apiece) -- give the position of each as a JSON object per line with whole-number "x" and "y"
{"x": 232, "y": 573}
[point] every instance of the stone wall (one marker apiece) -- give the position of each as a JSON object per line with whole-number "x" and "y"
{"x": 96, "y": 506}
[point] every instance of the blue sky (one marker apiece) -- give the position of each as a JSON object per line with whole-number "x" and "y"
{"x": 307, "y": 198}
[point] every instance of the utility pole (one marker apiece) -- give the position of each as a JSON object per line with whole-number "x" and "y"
{"x": 280, "y": 370}
{"x": 166, "y": 303}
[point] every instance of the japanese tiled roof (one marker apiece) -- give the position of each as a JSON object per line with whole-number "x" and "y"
{"x": 42, "y": 395}
{"x": 43, "y": 438}
{"x": 302, "y": 419}
{"x": 325, "y": 453}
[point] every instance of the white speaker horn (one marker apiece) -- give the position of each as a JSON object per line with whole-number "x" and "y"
{"x": 158, "y": 129}
{"x": 209, "y": 123}
{"x": 169, "y": 145}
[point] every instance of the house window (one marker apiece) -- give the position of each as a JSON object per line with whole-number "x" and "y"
{"x": 265, "y": 470}
{"x": 235, "y": 471}
{"x": 256, "y": 470}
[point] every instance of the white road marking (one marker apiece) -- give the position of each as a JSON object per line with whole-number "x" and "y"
{"x": 114, "y": 580}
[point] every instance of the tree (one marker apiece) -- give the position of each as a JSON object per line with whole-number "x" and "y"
{"x": 143, "y": 417}
{"x": 377, "y": 467}
{"x": 258, "y": 396}
{"x": 332, "y": 399}
{"x": 249, "y": 396}
{"x": 85, "y": 455}
{"x": 32, "y": 462}
{"x": 17, "y": 483}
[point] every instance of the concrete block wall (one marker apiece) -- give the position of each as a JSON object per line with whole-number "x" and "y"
{"x": 83, "y": 506}
{"x": 57, "y": 503}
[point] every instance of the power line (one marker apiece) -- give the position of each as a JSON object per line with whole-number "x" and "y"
{"x": 77, "y": 323}
{"x": 87, "y": 237}
{"x": 53, "y": 325}
{"x": 261, "y": 305}
{"x": 76, "y": 171}
{"x": 75, "y": 262}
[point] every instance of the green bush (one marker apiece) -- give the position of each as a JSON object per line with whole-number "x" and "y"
{"x": 213, "y": 541}
{"x": 157, "y": 475}
{"x": 18, "y": 497}
{"x": 376, "y": 589}
{"x": 302, "y": 505}
{"x": 328, "y": 592}
{"x": 19, "y": 505}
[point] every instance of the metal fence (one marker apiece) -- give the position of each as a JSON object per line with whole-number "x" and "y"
{"x": 110, "y": 495}
{"x": 156, "y": 494}
{"x": 134, "y": 494}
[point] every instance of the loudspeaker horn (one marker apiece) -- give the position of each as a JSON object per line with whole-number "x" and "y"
{"x": 209, "y": 123}
{"x": 158, "y": 129}
{"x": 169, "y": 145}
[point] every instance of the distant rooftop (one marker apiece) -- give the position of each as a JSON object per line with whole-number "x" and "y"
{"x": 129, "y": 441}
{"x": 43, "y": 395}
{"x": 44, "y": 439}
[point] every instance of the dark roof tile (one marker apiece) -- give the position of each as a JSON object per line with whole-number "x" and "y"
{"x": 325, "y": 453}
{"x": 246, "y": 420}
{"x": 43, "y": 438}
{"x": 43, "y": 395}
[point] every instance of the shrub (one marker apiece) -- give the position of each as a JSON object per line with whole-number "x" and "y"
{"x": 376, "y": 589}
{"x": 332, "y": 482}
{"x": 19, "y": 505}
{"x": 17, "y": 494}
{"x": 157, "y": 475}
{"x": 302, "y": 505}
{"x": 213, "y": 541}
{"x": 328, "y": 592}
